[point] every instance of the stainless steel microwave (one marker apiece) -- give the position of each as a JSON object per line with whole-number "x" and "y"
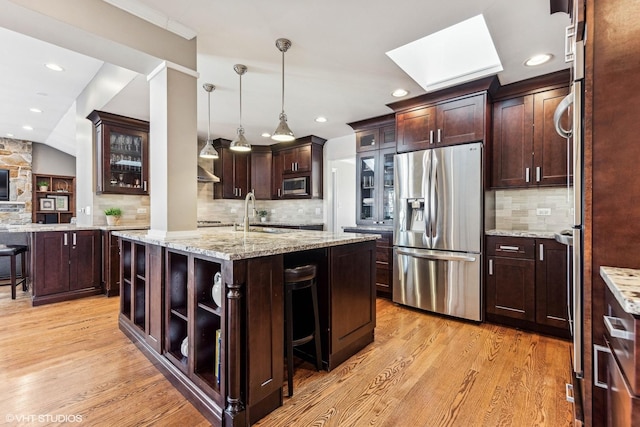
{"x": 295, "y": 186}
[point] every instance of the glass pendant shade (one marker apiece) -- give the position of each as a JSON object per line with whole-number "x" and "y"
{"x": 282, "y": 132}
{"x": 240, "y": 143}
{"x": 209, "y": 151}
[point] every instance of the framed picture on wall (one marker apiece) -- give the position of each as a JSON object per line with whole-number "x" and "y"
{"x": 61, "y": 202}
{"x": 47, "y": 204}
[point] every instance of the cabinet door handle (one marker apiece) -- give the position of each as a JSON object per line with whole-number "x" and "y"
{"x": 66, "y": 239}
{"x": 431, "y": 136}
{"x": 490, "y": 267}
{"x": 74, "y": 239}
{"x": 278, "y": 192}
{"x": 541, "y": 250}
{"x": 526, "y": 175}
{"x": 439, "y": 135}
{"x": 144, "y": 185}
{"x": 538, "y": 174}
{"x": 240, "y": 191}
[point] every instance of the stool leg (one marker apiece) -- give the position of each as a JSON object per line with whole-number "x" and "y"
{"x": 316, "y": 334}
{"x": 13, "y": 276}
{"x": 289, "y": 338}
{"x": 23, "y": 272}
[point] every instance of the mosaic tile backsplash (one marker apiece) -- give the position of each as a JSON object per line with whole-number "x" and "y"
{"x": 518, "y": 209}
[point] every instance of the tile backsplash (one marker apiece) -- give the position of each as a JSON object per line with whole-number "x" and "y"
{"x": 294, "y": 211}
{"x": 518, "y": 209}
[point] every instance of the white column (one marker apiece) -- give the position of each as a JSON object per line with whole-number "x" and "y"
{"x": 173, "y": 152}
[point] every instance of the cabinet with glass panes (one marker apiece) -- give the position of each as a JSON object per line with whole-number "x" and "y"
{"x": 122, "y": 150}
{"x": 375, "y": 146}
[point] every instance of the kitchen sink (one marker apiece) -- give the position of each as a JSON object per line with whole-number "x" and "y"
{"x": 565, "y": 237}
{"x": 271, "y": 230}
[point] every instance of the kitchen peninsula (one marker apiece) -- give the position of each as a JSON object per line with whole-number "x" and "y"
{"x": 224, "y": 351}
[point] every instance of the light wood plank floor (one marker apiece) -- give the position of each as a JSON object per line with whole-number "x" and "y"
{"x": 70, "y": 359}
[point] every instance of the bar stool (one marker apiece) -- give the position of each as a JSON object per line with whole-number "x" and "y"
{"x": 295, "y": 279}
{"x": 12, "y": 251}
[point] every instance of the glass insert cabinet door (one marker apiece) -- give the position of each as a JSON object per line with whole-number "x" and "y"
{"x": 125, "y": 160}
{"x": 388, "y": 194}
{"x": 367, "y": 187}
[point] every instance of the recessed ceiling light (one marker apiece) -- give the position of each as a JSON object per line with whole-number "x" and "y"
{"x": 54, "y": 67}
{"x": 266, "y": 135}
{"x": 35, "y": 110}
{"x": 399, "y": 93}
{"x": 26, "y": 127}
{"x": 321, "y": 119}
{"x": 10, "y": 135}
{"x": 538, "y": 59}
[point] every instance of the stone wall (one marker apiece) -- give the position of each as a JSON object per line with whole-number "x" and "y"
{"x": 16, "y": 155}
{"x": 517, "y": 209}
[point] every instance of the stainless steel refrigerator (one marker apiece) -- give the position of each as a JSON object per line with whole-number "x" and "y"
{"x": 438, "y": 230}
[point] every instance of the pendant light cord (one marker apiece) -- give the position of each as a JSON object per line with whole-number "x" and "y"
{"x": 209, "y": 117}
{"x": 283, "y": 82}
{"x": 240, "y": 100}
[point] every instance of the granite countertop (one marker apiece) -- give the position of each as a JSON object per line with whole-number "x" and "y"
{"x": 624, "y": 284}
{"x": 35, "y": 228}
{"x": 226, "y": 243}
{"x": 522, "y": 233}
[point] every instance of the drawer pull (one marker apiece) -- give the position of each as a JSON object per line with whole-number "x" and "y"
{"x": 616, "y": 329}
{"x": 597, "y": 349}
{"x": 568, "y": 390}
{"x": 509, "y": 248}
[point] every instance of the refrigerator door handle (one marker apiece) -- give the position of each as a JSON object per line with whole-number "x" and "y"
{"x": 442, "y": 256}
{"x": 577, "y": 302}
{"x": 557, "y": 116}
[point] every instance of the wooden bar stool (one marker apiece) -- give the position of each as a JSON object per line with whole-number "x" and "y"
{"x": 12, "y": 251}
{"x": 295, "y": 279}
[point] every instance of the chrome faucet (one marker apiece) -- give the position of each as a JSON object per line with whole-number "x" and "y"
{"x": 246, "y": 209}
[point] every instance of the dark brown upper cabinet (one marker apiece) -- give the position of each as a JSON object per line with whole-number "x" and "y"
{"x": 526, "y": 150}
{"x": 447, "y": 117}
{"x": 234, "y": 171}
{"x": 122, "y": 151}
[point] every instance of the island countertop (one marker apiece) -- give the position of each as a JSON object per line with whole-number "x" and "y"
{"x": 624, "y": 284}
{"x": 229, "y": 244}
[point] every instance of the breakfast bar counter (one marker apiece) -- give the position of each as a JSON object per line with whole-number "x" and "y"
{"x": 209, "y": 309}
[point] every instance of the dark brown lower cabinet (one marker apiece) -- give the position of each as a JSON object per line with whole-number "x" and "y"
{"x": 110, "y": 264}
{"x": 66, "y": 265}
{"x": 384, "y": 259}
{"x": 526, "y": 284}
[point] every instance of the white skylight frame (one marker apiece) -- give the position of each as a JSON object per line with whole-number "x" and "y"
{"x": 454, "y": 55}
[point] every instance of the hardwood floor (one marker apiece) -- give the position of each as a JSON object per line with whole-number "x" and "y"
{"x": 70, "y": 360}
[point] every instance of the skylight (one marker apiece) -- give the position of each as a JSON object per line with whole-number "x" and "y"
{"x": 454, "y": 55}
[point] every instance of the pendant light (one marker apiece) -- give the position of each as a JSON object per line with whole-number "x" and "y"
{"x": 240, "y": 143}
{"x": 282, "y": 132}
{"x": 209, "y": 151}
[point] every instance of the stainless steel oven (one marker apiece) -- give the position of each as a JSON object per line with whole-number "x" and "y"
{"x": 295, "y": 186}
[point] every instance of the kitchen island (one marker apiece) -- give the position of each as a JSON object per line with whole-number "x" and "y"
{"x": 224, "y": 351}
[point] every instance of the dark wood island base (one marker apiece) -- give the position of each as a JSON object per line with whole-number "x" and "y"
{"x": 233, "y": 371}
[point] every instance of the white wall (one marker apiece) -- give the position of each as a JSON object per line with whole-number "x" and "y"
{"x": 340, "y": 182}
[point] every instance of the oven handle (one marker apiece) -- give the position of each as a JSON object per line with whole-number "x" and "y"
{"x": 443, "y": 257}
{"x": 617, "y": 332}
